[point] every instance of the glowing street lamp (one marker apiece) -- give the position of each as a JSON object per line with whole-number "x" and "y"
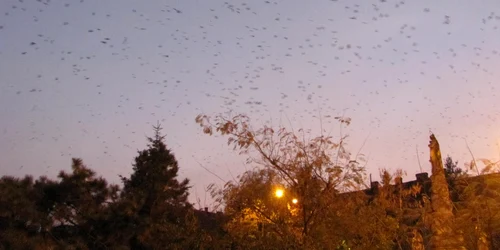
{"x": 279, "y": 193}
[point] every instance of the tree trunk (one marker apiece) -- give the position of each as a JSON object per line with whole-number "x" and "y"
{"x": 443, "y": 235}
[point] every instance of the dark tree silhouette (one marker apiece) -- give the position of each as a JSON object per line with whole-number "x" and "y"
{"x": 454, "y": 175}
{"x": 156, "y": 200}
{"x": 47, "y": 213}
{"x": 451, "y": 169}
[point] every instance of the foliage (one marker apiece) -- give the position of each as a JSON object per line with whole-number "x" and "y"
{"x": 333, "y": 209}
{"x": 451, "y": 169}
{"x": 312, "y": 170}
{"x": 258, "y": 219}
{"x": 17, "y": 210}
{"x": 155, "y": 201}
{"x": 380, "y": 217}
{"x": 479, "y": 213}
{"x": 82, "y": 211}
{"x": 47, "y": 211}
{"x": 454, "y": 176}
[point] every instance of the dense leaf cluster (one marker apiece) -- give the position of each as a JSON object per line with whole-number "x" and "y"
{"x": 324, "y": 202}
{"x": 80, "y": 210}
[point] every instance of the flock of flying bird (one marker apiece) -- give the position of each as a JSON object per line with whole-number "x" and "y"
{"x": 88, "y": 78}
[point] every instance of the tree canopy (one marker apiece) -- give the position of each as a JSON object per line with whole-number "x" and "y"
{"x": 302, "y": 192}
{"x": 80, "y": 210}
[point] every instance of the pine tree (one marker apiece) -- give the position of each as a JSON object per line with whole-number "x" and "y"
{"x": 451, "y": 169}
{"x": 455, "y": 176}
{"x": 157, "y": 200}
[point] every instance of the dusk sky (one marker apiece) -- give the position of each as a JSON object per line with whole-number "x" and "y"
{"x": 89, "y": 78}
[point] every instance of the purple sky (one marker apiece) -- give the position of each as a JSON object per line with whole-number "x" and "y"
{"x": 88, "y": 79}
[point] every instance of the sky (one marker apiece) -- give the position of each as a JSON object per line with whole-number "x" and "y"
{"x": 89, "y": 78}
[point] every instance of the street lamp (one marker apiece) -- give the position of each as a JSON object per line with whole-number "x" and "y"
{"x": 279, "y": 193}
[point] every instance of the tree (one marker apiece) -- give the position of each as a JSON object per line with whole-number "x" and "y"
{"x": 80, "y": 210}
{"x": 403, "y": 219}
{"x": 479, "y": 213}
{"x": 443, "y": 235}
{"x": 451, "y": 169}
{"x": 65, "y": 213}
{"x": 478, "y": 208}
{"x": 455, "y": 177}
{"x": 259, "y": 219}
{"x": 17, "y": 213}
{"x": 314, "y": 170}
{"x": 79, "y": 202}
{"x": 154, "y": 201}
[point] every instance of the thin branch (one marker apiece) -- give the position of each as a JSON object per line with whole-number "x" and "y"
{"x": 214, "y": 174}
{"x": 234, "y": 179}
{"x": 205, "y": 197}
{"x": 197, "y": 198}
{"x": 418, "y": 159}
{"x": 362, "y": 146}
{"x": 473, "y": 158}
{"x": 270, "y": 219}
{"x": 273, "y": 162}
{"x": 341, "y": 139}
{"x": 291, "y": 126}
